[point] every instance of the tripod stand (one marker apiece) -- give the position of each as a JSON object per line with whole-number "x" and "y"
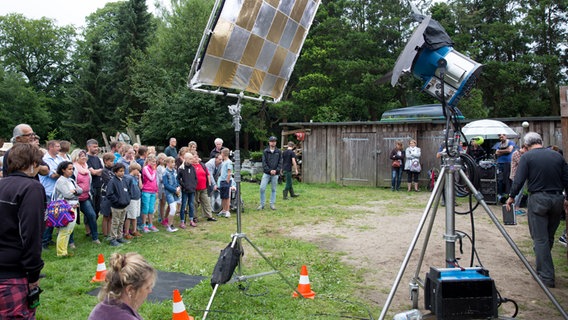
{"x": 236, "y": 238}
{"x": 451, "y": 167}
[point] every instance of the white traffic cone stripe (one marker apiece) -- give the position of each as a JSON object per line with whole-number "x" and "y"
{"x": 101, "y": 267}
{"x": 179, "y": 307}
{"x": 304, "y": 280}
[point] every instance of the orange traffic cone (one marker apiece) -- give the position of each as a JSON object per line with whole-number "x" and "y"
{"x": 179, "y": 309}
{"x": 101, "y": 270}
{"x": 304, "y": 287}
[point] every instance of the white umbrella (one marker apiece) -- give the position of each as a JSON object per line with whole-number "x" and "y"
{"x": 488, "y": 129}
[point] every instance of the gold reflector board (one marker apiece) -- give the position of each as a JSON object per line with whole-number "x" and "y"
{"x": 253, "y": 45}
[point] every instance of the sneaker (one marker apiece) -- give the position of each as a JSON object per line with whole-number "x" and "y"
{"x": 520, "y": 212}
{"x": 153, "y": 228}
{"x": 562, "y": 240}
{"x": 272, "y": 207}
{"x": 146, "y": 229}
{"x": 227, "y": 214}
{"x": 128, "y": 236}
{"x": 72, "y": 246}
{"x": 171, "y": 229}
{"x": 136, "y": 234}
{"x": 165, "y": 222}
{"x": 211, "y": 219}
{"x": 97, "y": 241}
{"x": 182, "y": 225}
{"x": 114, "y": 243}
{"x": 261, "y": 207}
{"x": 122, "y": 240}
{"x": 193, "y": 224}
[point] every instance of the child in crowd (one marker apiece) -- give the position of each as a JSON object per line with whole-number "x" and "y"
{"x": 188, "y": 182}
{"x": 133, "y": 209}
{"x": 224, "y": 183}
{"x": 106, "y": 176}
{"x": 119, "y": 196}
{"x": 172, "y": 191}
{"x": 161, "y": 169}
{"x": 149, "y": 191}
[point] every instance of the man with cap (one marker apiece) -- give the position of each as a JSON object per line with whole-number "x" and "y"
{"x": 271, "y": 166}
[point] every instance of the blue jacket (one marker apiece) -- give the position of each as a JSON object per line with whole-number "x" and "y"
{"x": 170, "y": 181}
{"x": 133, "y": 187}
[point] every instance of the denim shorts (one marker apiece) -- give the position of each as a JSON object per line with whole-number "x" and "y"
{"x": 172, "y": 197}
{"x": 224, "y": 188}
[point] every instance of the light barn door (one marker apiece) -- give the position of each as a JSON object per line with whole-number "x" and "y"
{"x": 358, "y": 159}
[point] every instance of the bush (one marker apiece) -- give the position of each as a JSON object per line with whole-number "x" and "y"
{"x": 256, "y": 156}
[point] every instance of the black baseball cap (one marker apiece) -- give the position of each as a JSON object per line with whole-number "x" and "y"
{"x": 272, "y": 138}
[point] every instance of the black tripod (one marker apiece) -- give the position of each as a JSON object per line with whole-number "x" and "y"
{"x": 236, "y": 238}
{"x": 451, "y": 166}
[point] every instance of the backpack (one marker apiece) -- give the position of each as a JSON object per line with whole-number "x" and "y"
{"x": 59, "y": 213}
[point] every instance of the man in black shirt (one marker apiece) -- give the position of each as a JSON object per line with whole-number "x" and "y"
{"x": 546, "y": 173}
{"x": 289, "y": 162}
{"x": 96, "y": 168}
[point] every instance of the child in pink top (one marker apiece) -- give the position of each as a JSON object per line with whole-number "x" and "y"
{"x": 149, "y": 191}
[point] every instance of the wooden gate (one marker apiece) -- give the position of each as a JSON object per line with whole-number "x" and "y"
{"x": 386, "y": 144}
{"x": 358, "y": 155}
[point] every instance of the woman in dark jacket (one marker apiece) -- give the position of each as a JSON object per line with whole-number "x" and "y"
{"x": 22, "y": 203}
{"x": 397, "y": 157}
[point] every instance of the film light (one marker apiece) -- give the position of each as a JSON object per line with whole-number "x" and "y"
{"x": 422, "y": 55}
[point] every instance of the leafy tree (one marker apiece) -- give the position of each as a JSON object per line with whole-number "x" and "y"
{"x": 39, "y": 51}
{"x": 20, "y": 103}
{"x": 36, "y": 48}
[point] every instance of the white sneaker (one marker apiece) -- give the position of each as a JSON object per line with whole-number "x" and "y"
{"x": 227, "y": 214}
{"x": 171, "y": 229}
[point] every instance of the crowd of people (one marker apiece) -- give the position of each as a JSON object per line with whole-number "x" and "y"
{"x": 130, "y": 186}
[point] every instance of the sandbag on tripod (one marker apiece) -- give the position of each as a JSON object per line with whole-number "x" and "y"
{"x": 226, "y": 264}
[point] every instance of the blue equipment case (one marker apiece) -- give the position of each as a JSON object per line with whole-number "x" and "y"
{"x": 460, "y": 293}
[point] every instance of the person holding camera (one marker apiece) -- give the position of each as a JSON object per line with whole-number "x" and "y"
{"x": 22, "y": 203}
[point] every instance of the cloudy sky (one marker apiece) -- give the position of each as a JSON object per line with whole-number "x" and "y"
{"x": 64, "y": 11}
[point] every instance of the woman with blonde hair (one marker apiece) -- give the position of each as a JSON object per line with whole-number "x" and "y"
{"x": 412, "y": 164}
{"x": 129, "y": 281}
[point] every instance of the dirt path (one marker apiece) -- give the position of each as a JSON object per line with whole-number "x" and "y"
{"x": 376, "y": 244}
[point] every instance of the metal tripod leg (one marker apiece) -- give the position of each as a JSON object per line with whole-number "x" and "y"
{"x": 479, "y": 198}
{"x": 434, "y": 199}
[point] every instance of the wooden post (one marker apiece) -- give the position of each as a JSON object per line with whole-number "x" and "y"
{"x": 564, "y": 118}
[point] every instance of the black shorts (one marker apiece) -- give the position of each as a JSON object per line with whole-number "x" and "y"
{"x": 224, "y": 190}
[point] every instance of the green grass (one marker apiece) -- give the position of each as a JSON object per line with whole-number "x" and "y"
{"x": 196, "y": 251}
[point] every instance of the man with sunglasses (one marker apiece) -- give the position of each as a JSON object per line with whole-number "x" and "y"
{"x": 23, "y": 133}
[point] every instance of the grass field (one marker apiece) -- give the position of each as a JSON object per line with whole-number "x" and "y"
{"x": 195, "y": 251}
